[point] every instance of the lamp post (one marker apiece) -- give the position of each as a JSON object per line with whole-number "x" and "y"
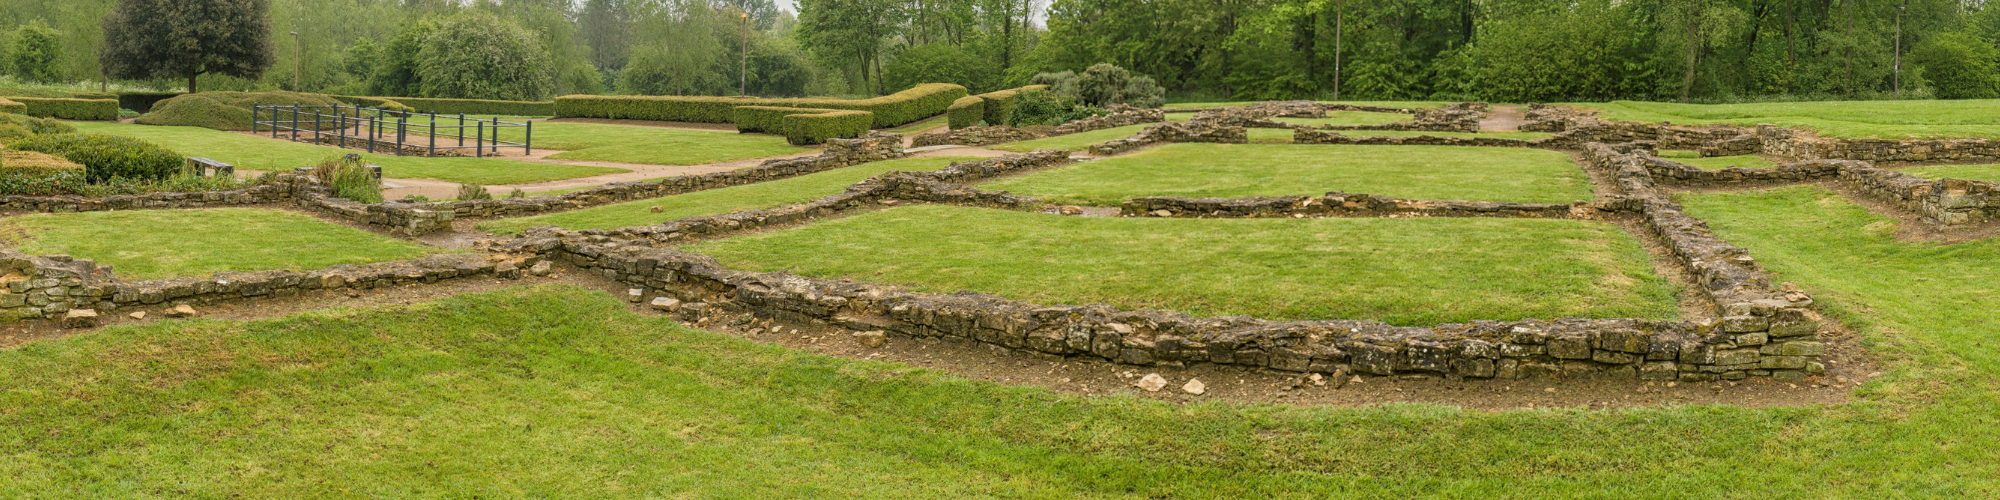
{"x": 295, "y": 61}
{"x": 1337, "y": 13}
{"x": 744, "y": 72}
{"x": 1899, "y": 50}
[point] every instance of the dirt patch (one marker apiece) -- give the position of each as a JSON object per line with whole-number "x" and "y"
{"x": 1503, "y": 119}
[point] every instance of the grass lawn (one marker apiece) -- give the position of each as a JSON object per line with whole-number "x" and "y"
{"x": 1073, "y": 142}
{"x": 148, "y": 244}
{"x": 1970, "y": 118}
{"x": 253, "y": 153}
{"x": 1238, "y": 170}
{"x": 1987, "y": 172}
{"x": 1694, "y": 159}
{"x": 761, "y": 195}
{"x": 651, "y": 145}
{"x": 1402, "y": 271}
{"x": 1283, "y": 136}
{"x": 1385, "y": 104}
{"x": 1344, "y": 118}
{"x": 922, "y": 125}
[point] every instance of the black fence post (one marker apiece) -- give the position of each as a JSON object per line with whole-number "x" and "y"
{"x": 461, "y": 130}
{"x": 528, "y": 139}
{"x": 254, "y": 108}
{"x": 479, "y": 140}
{"x": 295, "y": 121}
{"x": 434, "y": 134}
{"x": 341, "y": 114}
{"x": 402, "y": 125}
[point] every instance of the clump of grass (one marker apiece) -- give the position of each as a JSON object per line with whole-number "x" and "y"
{"x": 468, "y": 192}
{"x": 350, "y": 179}
{"x": 517, "y": 194}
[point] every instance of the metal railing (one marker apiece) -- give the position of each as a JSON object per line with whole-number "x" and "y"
{"x": 378, "y": 128}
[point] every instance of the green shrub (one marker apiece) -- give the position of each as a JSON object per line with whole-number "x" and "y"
{"x": 144, "y": 101}
{"x": 228, "y": 110}
{"x": 458, "y": 106}
{"x": 75, "y": 183}
{"x": 350, "y": 179}
{"x": 93, "y": 95}
{"x": 767, "y": 119}
{"x": 1104, "y": 84}
{"x": 965, "y": 112}
{"x": 37, "y": 52}
{"x": 1000, "y": 104}
{"x": 940, "y": 62}
{"x": 375, "y": 102}
{"x": 468, "y": 192}
{"x": 1041, "y": 107}
{"x": 69, "y": 109}
{"x": 30, "y": 162}
{"x": 22, "y": 126}
{"x": 816, "y": 128}
{"x": 11, "y": 106}
{"x": 108, "y": 156}
{"x": 918, "y": 103}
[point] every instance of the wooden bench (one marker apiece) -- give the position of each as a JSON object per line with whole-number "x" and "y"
{"x": 202, "y": 166}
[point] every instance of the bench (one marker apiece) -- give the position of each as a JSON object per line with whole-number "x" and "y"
{"x": 202, "y": 166}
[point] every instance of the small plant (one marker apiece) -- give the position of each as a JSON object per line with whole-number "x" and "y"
{"x": 415, "y": 198}
{"x": 517, "y": 194}
{"x": 468, "y": 192}
{"x": 350, "y": 179}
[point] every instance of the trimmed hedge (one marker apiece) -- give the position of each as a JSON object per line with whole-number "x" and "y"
{"x": 9, "y": 106}
{"x": 144, "y": 101}
{"x": 1000, "y": 104}
{"x": 918, "y": 103}
{"x": 466, "y": 106}
{"x": 107, "y": 156}
{"x": 70, "y": 109}
{"x": 802, "y": 126}
{"x": 966, "y": 111}
{"x": 16, "y": 126}
{"x": 816, "y": 128}
{"x": 34, "y": 163}
{"x": 373, "y": 102}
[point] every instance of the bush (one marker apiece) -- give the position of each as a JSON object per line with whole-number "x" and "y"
{"x": 1144, "y": 92}
{"x": 227, "y": 110}
{"x": 34, "y": 163}
{"x": 350, "y": 179}
{"x": 966, "y": 111}
{"x": 108, "y": 156}
{"x": 75, "y": 183}
{"x": 803, "y": 125}
{"x": 923, "y": 101}
{"x": 479, "y": 55}
{"x": 36, "y": 51}
{"x": 1104, "y": 84}
{"x": 13, "y": 126}
{"x": 12, "y": 106}
{"x": 1000, "y": 104}
{"x": 1041, "y": 107}
{"x": 1959, "y": 66}
{"x": 458, "y": 106}
{"x": 144, "y": 101}
{"x": 939, "y": 62}
{"x": 69, "y": 109}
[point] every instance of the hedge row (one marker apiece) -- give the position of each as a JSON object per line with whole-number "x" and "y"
{"x": 9, "y": 106}
{"x": 920, "y": 102}
{"x": 143, "y": 101}
{"x": 1000, "y": 104}
{"x": 803, "y": 125}
{"x": 70, "y": 109}
{"x": 465, "y": 106}
{"x": 373, "y": 102}
{"x": 818, "y": 127}
{"x": 107, "y": 156}
{"x": 966, "y": 111}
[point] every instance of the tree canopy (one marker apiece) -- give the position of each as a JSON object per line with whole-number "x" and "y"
{"x": 187, "y": 38}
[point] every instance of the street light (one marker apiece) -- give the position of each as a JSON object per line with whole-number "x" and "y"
{"x": 295, "y": 61}
{"x": 745, "y": 71}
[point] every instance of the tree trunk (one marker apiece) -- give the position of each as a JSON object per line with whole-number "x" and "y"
{"x": 191, "y": 77}
{"x": 1693, "y": 49}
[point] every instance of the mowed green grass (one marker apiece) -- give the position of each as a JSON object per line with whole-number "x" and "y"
{"x": 253, "y": 153}
{"x": 1694, "y": 159}
{"x": 1073, "y": 142}
{"x": 1402, "y": 271}
{"x": 1284, "y": 136}
{"x": 651, "y": 145}
{"x": 1240, "y": 170}
{"x": 1970, "y": 118}
{"x": 762, "y": 195}
{"x": 1987, "y": 172}
{"x": 1385, "y": 104}
{"x": 148, "y": 244}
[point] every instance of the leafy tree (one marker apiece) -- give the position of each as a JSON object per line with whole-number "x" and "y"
{"x": 852, "y": 30}
{"x": 396, "y": 72}
{"x": 187, "y": 38}
{"x": 1102, "y": 84}
{"x": 362, "y": 58}
{"x": 940, "y": 63}
{"x": 37, "y": 49}
{"x": 479, "y": 56}
{"x": 1959, "y": 66}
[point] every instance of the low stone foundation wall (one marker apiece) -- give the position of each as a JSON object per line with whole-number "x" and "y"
{"x": 279, "y": 190}
{"x": 975, "y": 136}
{"x": 1173, "y": 132}
{"x": 1339, "y": 204}
{"x": 1943, "y": 201}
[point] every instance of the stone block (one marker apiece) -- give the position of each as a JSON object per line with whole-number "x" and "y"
{"x": 1735, "y": 356}
{"x": 1751, "y": 339}
{"x": 1783, "y": 362}
{"x": 1658, "y": 370}
{"x": 1743, "y": 324}
{"x": 1801, "y": 348}
{"x": 1569, "y": 347}
{"x": 1613, "y": 357}
{"x": 79, "y": 318}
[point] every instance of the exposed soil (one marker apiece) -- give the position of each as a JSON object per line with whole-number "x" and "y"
{"x": 1501, "y": 118}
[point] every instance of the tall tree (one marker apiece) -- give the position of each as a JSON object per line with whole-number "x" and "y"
{"x": 37, "y": 48}
{"x": 187, "y": 38}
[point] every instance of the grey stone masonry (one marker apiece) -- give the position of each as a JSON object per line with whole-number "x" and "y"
{"x": 1339, "y": 204}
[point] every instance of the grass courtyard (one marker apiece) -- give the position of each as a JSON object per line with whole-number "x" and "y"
{"x": 1240, "y": 170}
{"x": 651, "y": 145}
{"x": 253, "y": 153}
{"x": 149, "y": 244}
{"x": 1403, "y": 271}
{"x": 1969, "y": 118}
{"x": 1987, "y": 172}
{"x": 762, "y": 195}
